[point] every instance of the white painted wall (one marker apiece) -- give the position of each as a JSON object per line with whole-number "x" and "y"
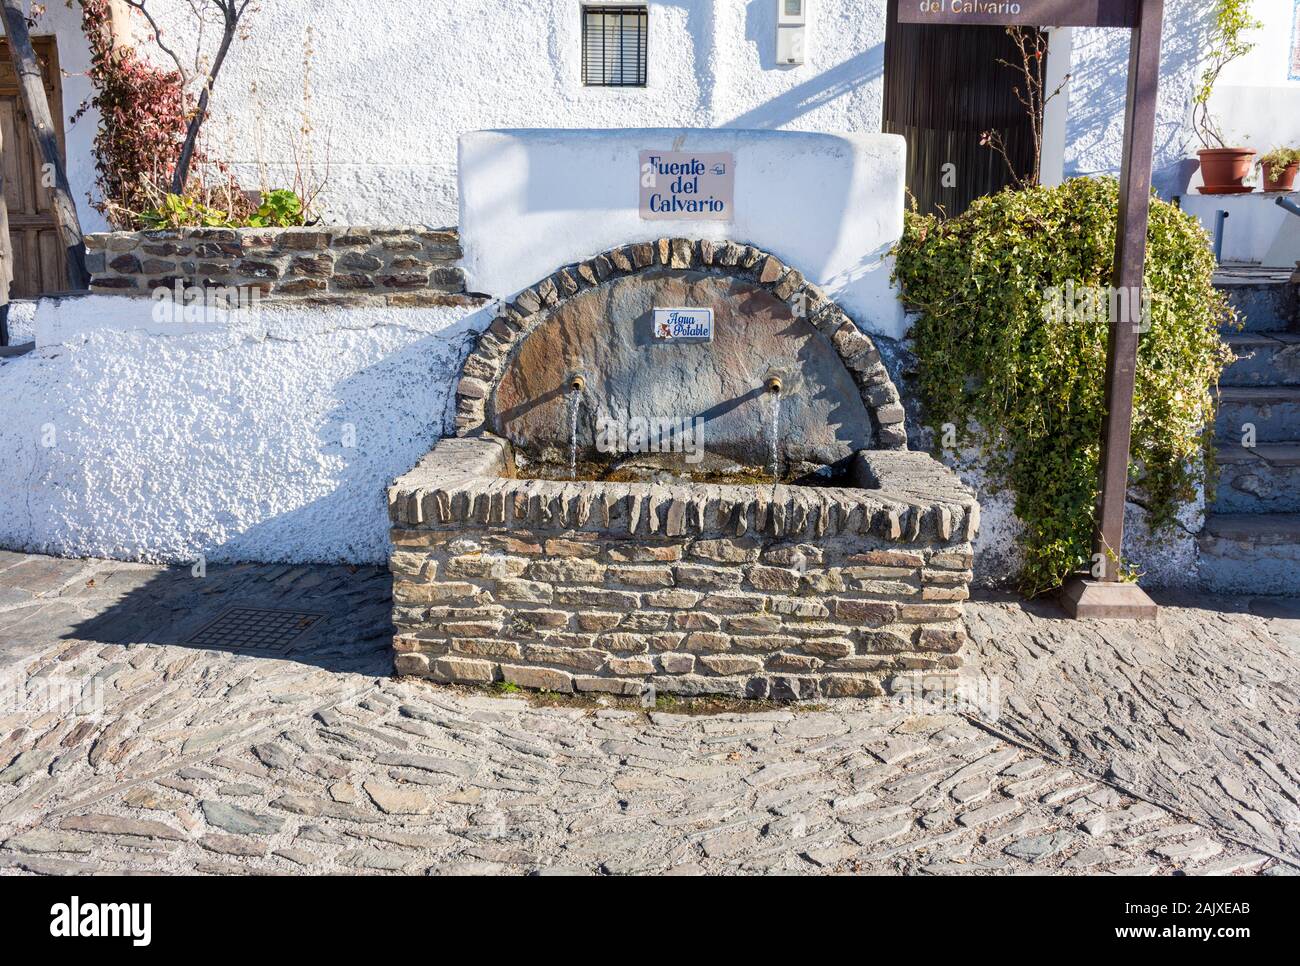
{"x": 1098, "y": 87}
{"x": 394, "y": 83}
{"x": 1257, "y": 229}
{"x": 830, "y": 206}
{"x": 386, "y": 88}
{"x": 123, "y": 438}
{"x": 1258, "y": 96}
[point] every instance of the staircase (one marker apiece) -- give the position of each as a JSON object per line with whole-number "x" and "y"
{"x": 1251, "y": 540}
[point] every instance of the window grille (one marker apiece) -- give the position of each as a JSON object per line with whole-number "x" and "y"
{"x": 614, "y": 46}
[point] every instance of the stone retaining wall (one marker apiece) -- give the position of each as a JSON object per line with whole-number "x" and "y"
{"x": 690, "y": 588}
{"x": 278, "y": 262}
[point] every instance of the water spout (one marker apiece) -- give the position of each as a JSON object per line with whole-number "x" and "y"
{"x": 773, "y": 386}
{"x": 575, "y": 403}
{"x": 775, "y": 434}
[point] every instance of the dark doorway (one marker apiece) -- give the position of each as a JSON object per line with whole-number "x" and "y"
{"x": 944, "y": 87}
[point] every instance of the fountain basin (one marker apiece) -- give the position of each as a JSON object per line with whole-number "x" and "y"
{"x": 526, "y": 551}
{"x": 687, "y": 588}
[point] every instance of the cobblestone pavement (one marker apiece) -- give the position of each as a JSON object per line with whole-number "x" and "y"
{"x": 312, "y": 759}
{"x": 1199, "y": 711}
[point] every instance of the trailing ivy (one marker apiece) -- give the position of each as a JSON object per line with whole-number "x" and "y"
{"x": 1013, "y": 297}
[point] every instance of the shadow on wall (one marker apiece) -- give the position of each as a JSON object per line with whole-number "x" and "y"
{"x": 1099, "y": 87}
{"x": 842, "y": 80}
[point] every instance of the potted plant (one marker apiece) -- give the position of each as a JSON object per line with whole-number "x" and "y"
{"x": 1279, "y": 168}
{"x": 1223, "y": 167}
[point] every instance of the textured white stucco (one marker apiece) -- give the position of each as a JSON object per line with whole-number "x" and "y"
{"x": 1098, "y": 87}
{"x": 828, "y": 205}
{"x": 228, "y": 440}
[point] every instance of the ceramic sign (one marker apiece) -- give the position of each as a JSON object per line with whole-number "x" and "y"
{"x": 683, "y": 325}
{"x": 687, "y": 185}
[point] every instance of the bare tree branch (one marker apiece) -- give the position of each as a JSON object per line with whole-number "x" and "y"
{"x": 230, "y": 14}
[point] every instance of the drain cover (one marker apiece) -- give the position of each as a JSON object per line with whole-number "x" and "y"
{"x": 252, "y": 628}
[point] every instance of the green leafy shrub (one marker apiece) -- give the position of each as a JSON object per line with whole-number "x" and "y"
{"x": 1278, "y": 160}
{"x": 1025, "y": 381}
{"x": 182, "y": 211}
{"x": 281, "y": 208}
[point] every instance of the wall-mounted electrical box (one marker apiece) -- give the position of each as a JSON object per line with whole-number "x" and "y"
{"x": 791, "y": 19}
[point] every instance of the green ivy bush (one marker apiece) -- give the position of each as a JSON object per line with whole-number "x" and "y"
{"x": 1024, "y": 382}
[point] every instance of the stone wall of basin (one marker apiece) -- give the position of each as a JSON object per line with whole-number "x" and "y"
{"x": 772, "y": 591}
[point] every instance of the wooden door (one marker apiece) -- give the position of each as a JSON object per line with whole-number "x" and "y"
{"x": 944, "y": 88}
{"x": 40, "y": 264}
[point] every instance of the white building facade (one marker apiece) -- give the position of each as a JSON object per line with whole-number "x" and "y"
{"x": 375, "y": 95}
{"x": 273, "y": 438}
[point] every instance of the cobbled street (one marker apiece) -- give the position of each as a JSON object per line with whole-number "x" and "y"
{"x": 1105, "y": 748}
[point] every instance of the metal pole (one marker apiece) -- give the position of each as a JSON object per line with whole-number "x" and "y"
{"x": 1220, "y": 223}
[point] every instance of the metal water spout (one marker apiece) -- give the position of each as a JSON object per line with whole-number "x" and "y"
{"x": 577, "y": 385}
{"x": 774, "y": 385}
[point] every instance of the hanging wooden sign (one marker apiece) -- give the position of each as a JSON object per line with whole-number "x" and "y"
{"x": 1030, "y": 13}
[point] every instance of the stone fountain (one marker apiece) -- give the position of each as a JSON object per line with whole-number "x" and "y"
{"x": 782, "y": 543}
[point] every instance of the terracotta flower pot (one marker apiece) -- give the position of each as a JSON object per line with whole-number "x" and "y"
{"x": 1224, "y": 169}
{"x": 1285, "y": 179}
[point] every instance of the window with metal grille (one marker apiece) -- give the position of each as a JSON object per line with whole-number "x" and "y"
{"x": 613, "y": 46}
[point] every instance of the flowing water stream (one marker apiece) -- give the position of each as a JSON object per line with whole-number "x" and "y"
{"x": 776, "y": 436}
{"x": 575, "y": 403}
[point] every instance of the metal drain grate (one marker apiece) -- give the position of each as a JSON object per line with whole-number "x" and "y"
{"x": 255, "y": 629}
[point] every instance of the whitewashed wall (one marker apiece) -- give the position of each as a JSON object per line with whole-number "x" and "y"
{"x": 264, "y": 437}
{"x": 387, "y": 87}
{"x": 393, "y": 84}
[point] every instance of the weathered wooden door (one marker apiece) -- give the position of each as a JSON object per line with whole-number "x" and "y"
{"x": 944, "y": 87}
{"x": 39, "y": 261}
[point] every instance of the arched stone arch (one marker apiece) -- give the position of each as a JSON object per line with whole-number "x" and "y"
{"x": 487, "y": 363}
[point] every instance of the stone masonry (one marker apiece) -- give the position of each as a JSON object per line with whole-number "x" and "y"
{"x": 759, "y": 591}
{"x": 519, "y": 318}
{"x": 279, "y": 262}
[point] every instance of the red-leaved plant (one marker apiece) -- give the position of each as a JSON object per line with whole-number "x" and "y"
{"x": 143, "y": 112}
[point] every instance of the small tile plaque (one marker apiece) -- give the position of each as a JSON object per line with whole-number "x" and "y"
{"x": 683, "y": 325}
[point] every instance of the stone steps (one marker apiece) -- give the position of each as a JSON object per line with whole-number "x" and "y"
{"x": 1251, "y": 553}
{"x": 1274, "y": 411}
{"x": 1251, "y": 539}
{"x": 1265, "y": 479}
{"x": 1263, "y": 359}
{"x": 1266, "y": 301}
